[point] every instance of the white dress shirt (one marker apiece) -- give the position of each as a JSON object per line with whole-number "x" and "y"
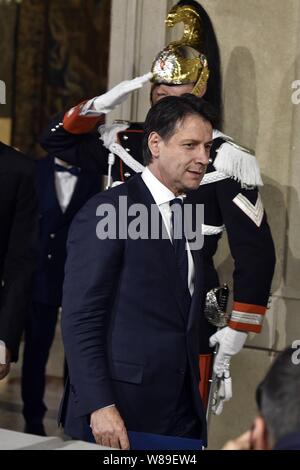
{"x": 162, "y": 197}
{"x": 65, "y": 185}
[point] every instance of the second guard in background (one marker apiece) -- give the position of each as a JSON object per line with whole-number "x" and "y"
{"x": 62, "y": 191}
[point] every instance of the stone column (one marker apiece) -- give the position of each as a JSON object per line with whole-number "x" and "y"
{"x": 137, "y": 34}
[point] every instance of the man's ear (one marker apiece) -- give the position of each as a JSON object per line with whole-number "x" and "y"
{"x": 259, "y": 435}
{"x": 153, "y": 144}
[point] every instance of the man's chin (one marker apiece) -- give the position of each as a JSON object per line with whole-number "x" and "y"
{"x": 193, "y": 185}
{"x": 190, "y": 187}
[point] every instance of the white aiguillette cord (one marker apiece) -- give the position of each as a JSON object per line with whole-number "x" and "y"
{"x": 118, "y": 150}
{"x": 109, "y": 138}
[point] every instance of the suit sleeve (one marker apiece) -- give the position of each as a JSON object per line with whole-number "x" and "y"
{"x": 73, "y": 138}
{"x": 91, "y": 276}
{"x": 20, "y": 264}
{"x": 252, "y": 248}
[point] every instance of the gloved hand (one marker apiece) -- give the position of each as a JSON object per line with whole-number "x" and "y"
{"x": 107, "y": 102}
{"x": 230, "y": 342}
{"x": 222, "y": 393}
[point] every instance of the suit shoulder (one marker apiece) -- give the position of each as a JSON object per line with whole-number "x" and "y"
{"x": 14, "y": 161}
{"x": 45, "y": 164}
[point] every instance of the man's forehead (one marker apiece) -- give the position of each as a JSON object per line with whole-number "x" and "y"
{"x": 190, "y": 121}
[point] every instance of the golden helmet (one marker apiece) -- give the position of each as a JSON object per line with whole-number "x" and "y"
{"x": 182, "y": 62}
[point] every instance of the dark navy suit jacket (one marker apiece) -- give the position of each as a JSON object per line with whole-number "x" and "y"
{"x": 130, "y": 335}
{"x": 53, "y": 229}
{"x": 18, "y": 243}
{"x": 289, "y": 442}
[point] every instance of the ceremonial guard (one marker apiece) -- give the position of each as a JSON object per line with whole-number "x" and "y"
{"x": 229, "y": 190}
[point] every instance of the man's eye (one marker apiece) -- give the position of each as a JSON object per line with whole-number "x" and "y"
{"x": 189, "y": 145}
{"x": 208, "y": 147}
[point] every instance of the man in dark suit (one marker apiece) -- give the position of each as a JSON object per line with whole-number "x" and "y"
{"x": 62, "y": 191}
{"x": 18, "y": 248}
{"x": 131, "y": 304}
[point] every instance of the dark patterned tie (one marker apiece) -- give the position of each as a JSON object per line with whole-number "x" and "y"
{"x": 178, "y": 238}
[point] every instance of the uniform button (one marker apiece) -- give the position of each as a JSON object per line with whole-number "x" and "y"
{"x": 127, "y": 150}
{"x": 181, "y": 371}
{"x": 52, "y": 235}
{"x": 127, "y": 174}
{"x": 53, "y": 129}
{"x": 125, "y": 137}
{"x": 49, "y": 256}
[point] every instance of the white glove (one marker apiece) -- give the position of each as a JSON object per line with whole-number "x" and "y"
{"x": 230, "y": 342}
{"x": 223, "y": 393}
{"x": 105, "y": 103}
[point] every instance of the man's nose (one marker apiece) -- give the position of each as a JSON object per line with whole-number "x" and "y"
{"x": 202, "y": 156}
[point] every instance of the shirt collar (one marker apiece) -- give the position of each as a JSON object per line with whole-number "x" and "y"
{"x": 160, "y": 193}
{"x": 62, "y": 163}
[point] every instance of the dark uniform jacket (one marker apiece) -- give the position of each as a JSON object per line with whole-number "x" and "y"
{"x": 53, "y": 229}
{"x": 229, "y": 192}
{"x": 18, "y": 242}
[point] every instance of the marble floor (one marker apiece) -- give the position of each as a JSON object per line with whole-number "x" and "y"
{"x": 10, "y": 394}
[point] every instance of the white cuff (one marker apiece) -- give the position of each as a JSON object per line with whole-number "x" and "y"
{"x": 88, "y": 109}
{"x": 2, "y": 352}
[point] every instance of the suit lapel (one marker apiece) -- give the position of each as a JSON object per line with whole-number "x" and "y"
{"x": 47, "y": 191}
{"x": 81, "y": 186}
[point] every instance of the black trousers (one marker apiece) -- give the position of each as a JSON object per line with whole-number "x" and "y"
{"x": 39, "y": 334}
{"x": 185, "y": 422}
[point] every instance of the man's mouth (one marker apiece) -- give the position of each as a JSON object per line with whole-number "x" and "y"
{"x": 195, "y": 172}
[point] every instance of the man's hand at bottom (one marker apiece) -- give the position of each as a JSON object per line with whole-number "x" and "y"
{"x": 109, "y": 429}
{"x": 242, "y": 442}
